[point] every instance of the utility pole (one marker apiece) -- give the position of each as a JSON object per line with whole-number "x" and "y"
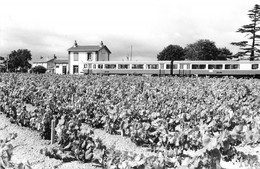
{"x": 131, "y": 52}
{"x": 7, "y": 63}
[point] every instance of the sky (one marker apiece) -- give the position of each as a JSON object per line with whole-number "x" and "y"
{"x": 48, "y": 27}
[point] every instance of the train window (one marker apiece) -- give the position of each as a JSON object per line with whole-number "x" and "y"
{"x": 94, "y": 66}
{"x": 254, "y": 66}
{"x": 184, "y": 66}
{"x": 195, "y": 66}
{"x": 219, "y": 66}
{"x": 162, "y": 66}
{"x": 110, "y": 66}
{"x": 168, "y": 66}
{"x": 198, "y": 66}
{"x": 152, "y": 66}
{"x": 233, "y": 66}
{"x": 137, "y": 66}
{"x": 215, "y": 66}
{"x": 125, "y": 66}
{"x": 227, "y": 66}
{"x": 100, "y": 66}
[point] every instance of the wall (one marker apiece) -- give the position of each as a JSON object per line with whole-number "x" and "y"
{"x": 59, "y": 68}
{"x": 44, "y": 64}
{"x": 103, "y": 55}
{"x": 51, "y": 66}
{"x": 83, "y": 58}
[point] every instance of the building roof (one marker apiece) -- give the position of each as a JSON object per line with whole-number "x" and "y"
{"x": 39, "y": 60}
{"x": 61, "y": 61}
{"x": 2, "y": 58}
{"x": 89, "y": 48}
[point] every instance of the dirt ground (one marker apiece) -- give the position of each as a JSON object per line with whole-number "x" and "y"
{"x": 28, "y": 145}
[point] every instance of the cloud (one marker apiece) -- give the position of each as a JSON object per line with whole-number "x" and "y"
{"x": 48, "y": 27}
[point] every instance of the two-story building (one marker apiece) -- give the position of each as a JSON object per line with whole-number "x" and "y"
{"x": 78, "y": 56}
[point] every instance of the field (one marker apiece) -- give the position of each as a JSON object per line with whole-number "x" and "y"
{"x": 129, "y": 122}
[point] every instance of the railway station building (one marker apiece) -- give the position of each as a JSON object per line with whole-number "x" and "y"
{"x": 79, "y": 55}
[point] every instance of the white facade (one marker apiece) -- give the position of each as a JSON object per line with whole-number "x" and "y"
{"x": 61, "y": 68}
{"x": 79, "y": 56}
{"x": 44, "y": 64}
{"x": 83, "y": 57}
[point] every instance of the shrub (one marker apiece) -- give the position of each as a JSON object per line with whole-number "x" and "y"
{"x": 38, "y": 69}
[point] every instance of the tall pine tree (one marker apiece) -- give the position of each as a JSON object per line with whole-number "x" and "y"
{"x": 251, "y": 31}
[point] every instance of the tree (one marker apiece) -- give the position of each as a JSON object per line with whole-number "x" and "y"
{"x": 201, "y": 50}
{"x": 38, "y": 69}
{"x": 223, "y": 54}
{"x": 251, "y": 31}
{"x": 171, "y": 52}
{"x": 19, "y": 60}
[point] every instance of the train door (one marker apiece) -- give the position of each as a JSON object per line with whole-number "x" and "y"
{"x": 161, "y": 70}
{"x": 184, "y": 69}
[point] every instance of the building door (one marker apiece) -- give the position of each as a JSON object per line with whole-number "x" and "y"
{"x": 64, "y": 69}
{"x": 75, "y": 69}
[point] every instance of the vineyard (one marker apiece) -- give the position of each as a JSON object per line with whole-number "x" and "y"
{"x": 182, "y": 122}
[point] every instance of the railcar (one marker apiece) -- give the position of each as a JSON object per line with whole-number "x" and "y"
{"x": 182, "y": 68}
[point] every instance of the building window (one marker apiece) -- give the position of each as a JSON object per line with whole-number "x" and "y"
{"x": 76, "y": 56}
{"x": 57, "y": 66}
{"x": 89, "y": 56}
{"x": 100, "y": 66}
{"x": 75, "y": 69}
{"x": 97, "y": 56}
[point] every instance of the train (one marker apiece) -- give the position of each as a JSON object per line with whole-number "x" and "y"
{"x": 178, "y": 68}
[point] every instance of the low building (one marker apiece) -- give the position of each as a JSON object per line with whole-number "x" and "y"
{"x": 61, "y": 66}
{"x": 53, "y": 65}
{"x": 40, "y": 62}
{"x": 2, "y": 65}
{"x": 78, "y": 56}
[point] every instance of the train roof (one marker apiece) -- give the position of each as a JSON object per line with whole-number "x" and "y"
{"x": 179, "y": 61}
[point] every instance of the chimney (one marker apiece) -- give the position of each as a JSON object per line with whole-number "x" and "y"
{"x": 101, "y": 44}
{"x": 75, "y": 44}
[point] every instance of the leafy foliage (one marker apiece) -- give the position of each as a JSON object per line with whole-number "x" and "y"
{"x": 19, "y": 60}
{"x": 224, "y": 53}
{"x": 188, "y": 122}
{"x": 251, "y": 31}
{"x": 202, "y": 50}
{"x": 38, "y": 69}
{"x": 171, "y": 52}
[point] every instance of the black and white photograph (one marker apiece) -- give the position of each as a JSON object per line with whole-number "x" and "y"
{"x": 129, "y": 84}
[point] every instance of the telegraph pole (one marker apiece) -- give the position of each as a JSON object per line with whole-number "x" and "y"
{"x": 7, "y": 63}
{"x": 131, "y": 52}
